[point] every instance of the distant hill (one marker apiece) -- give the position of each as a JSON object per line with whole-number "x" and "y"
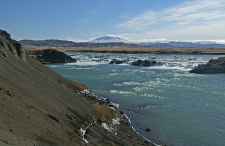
{"x": 70, "y": 44}
{"x": 115, "y": 41}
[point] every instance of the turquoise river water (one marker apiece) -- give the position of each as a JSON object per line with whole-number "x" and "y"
{"x": 182, "y": 109}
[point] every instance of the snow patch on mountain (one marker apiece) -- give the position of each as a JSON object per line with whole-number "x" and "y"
{"x": 108, "y": 39}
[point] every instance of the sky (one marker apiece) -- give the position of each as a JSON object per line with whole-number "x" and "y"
{"x": 85, "y": 20}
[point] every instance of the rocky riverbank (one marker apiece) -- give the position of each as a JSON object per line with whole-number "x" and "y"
{"x": 40, "y": 107}
{"x": 48, "y": 56}
{"x": 216, "y": 66}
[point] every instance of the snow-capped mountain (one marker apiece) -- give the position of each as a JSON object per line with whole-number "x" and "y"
{"x": 163, "y": 43}
{"x": 183, "y": 44}
{"x": 108, "y": 39}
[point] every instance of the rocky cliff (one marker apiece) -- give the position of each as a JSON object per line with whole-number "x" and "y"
{"x": 7, "y": 45}
{"x": 216, "y": 66}
{"x": 40, "y": 107}
{"x": 48, "y": 56}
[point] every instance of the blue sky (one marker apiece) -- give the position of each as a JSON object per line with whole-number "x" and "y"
{"x": 84, "y": 20}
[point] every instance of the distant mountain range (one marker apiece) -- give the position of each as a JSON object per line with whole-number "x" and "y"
{"x": 115, "y": 41}
{"x": 70, "y": 44}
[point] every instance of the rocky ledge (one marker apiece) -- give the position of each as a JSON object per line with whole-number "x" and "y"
{"x": 49, "y": 56}
{"x": 216, "y": 66}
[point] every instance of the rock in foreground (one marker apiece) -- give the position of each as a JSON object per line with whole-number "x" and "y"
{"x": 216, "y": 66}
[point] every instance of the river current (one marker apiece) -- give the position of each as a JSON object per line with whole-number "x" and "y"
{"x": 180, "y": 108}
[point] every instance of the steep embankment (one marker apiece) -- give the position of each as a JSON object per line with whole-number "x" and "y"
{"x": 216, "y": 66}
{"x": 39, "y": 107}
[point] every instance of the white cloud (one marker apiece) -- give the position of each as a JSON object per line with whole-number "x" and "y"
{"x": 185, "y": 20}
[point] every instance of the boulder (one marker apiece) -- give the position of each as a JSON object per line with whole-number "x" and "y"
{"x": 137, "y": 63}
{"x": 145, "y": 63}
{"x": 114, "y": 61}
{"x": 147, "y": 129}
{"x": 216, "y": 66}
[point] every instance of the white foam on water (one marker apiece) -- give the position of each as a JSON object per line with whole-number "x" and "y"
{"x": 120, "y": 92}
{"x": 152, "y": 95}
{"x": 114, "y": 74}
{"x": 139, "y": 89}
{"x": 88, "y": 63}
{"x": 80, "y": 68}
{"x": 117, "y": 84}
{"x": 131, "y": 83}
{"x": 166, "y": 67}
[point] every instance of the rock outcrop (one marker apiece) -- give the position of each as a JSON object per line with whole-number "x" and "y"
{"x": 7, "y": 45}
{"x": 145, "y": 63}
{"x": 216, "y": 66}
{"x": 48, "y": 56}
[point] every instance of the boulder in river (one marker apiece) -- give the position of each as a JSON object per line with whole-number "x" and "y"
{"x": 145, "y": 63}
{"x": 114, "y": 61}
{"x": 216, "y": 66}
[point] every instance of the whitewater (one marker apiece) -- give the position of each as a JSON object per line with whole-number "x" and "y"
{"x": 180, "y": 108}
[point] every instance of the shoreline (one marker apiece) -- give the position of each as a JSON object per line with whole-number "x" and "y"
{"x": 89, "y": 94}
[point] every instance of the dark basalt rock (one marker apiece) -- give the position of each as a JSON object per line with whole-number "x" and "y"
{"x": 8, "y": 45}
{"x": 49, "y": 56}
{"x": 145, "y": 63}
{"x": 114, "y": 61}
{"x": 216, "y": 66}
{"x": 148, "y": 130}
{"x": 137, "y": 63}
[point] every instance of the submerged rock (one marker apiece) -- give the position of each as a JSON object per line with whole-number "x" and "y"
{"x": 114, "y": 61}
{"x": 216, "y": 66}
{"x": 148, "y": 130}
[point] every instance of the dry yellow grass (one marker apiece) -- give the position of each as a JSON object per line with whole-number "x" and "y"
{"x": 149, "y": 50}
